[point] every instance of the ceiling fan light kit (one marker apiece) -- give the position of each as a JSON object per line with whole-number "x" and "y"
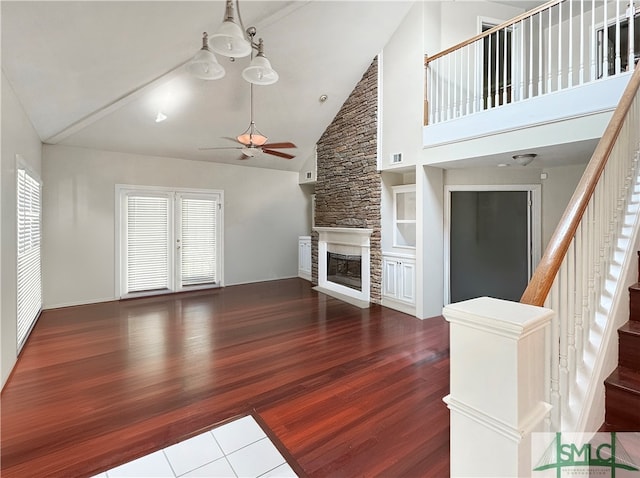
{"x": 252, "y": 137}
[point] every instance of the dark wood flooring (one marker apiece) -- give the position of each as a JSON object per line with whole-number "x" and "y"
{"x": 343, "y": 391}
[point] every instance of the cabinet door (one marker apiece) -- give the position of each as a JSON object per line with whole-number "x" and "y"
{"x": 301, "y": 255}
{"x": 306, "y": 257}
{"x": 407, "y": 290}
{"x": 390, "y": 277}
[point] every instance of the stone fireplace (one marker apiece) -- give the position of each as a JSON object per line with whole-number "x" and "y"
{"x": 344, "y": 263}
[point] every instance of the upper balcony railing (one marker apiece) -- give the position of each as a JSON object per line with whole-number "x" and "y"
{"x": 559, "y": 45}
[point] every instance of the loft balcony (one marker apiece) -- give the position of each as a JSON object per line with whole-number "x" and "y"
{"x": 549, "y": 78}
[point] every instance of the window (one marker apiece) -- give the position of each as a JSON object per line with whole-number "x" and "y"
{"x": 170, "y": 240}
{"x": 29, "y": 276}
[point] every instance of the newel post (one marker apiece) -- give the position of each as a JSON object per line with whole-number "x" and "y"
{"x": 497, "y": 385}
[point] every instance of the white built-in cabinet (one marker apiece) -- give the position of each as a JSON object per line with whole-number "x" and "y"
{"x": 399, "y": 264}
{"x": 304, "y": 257}
{"x": 399, "y": 282}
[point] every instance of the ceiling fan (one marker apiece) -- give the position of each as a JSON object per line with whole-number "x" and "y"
{"x": 252, "y": 141}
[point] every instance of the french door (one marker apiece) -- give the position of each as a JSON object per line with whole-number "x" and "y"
{"x": 169, "y": 240}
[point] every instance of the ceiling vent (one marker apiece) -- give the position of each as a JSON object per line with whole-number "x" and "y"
{"x": 396, "y": 158}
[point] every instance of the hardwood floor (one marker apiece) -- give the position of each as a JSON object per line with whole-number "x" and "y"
{"x": 343, "y": 391}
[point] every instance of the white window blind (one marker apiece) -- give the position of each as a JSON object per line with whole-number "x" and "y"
{"x": 147, "y": 243}
{"x": 29, "y": 267}
{"x": 198, "y": 241}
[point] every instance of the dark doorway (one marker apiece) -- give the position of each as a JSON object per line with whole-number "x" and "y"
{"x": 496, "y": 71}
{"x": 490, "y": 246}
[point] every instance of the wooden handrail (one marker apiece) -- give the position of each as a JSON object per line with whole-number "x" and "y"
{"x": 544, "y": 275}
{"x": 522, "y": 16}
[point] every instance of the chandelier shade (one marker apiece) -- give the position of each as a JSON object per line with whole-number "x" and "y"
{"x": 229, "y": 41}
{"x": 259, "y": 71}
{"x": 204, "y": 64}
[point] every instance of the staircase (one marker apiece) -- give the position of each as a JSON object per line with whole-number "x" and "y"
{"x": 622, "y": 387}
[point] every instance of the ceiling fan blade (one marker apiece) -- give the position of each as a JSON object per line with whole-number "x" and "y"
{"x": 221, "y": 147}
{"x": 279, "y": 145}
{"x": 278, "y": 153}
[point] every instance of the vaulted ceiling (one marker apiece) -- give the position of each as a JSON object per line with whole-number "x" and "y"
{"x": 96, "y": 73}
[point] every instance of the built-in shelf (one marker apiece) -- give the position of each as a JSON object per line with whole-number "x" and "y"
{"x": 404, "y": 216}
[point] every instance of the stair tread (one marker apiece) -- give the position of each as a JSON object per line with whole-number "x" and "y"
{"x": 632, "y": 327}
{"x": 634, "y": 287}
{"x": 625, "y": 378}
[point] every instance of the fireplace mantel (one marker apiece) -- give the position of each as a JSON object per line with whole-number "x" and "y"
{"x": 340, "y": 238}
{"x": 354, "y": 236}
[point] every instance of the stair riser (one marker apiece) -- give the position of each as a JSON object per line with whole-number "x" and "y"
{"x": 622, "y": 409}
{"x": 629, "y": 350}
{"x": 634, "y": 304}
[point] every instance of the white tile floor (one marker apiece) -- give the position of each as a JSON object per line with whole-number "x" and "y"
{"x": 238, "y": 449}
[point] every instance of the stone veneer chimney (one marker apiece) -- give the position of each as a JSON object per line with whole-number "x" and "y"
{"x": 348, "y": 187}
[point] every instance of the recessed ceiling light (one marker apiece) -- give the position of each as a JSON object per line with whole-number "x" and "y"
{"x": 161, "y": 117}
{"x": 503, "y": 165}
{"x": 323, "y": 98}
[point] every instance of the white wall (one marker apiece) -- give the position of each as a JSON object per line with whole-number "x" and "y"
{"x": 264, "y": 215}
{"x": 18, "y": 137}
{"x": 460, "y": 19}
{"x": 557, "y": 189}
{"x": 403, "y": 85}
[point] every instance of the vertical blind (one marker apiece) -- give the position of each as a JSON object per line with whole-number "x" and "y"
{"x": 198, "y": 241}
{"x": 29, "y": 268}
{"x": 147, "y": 243}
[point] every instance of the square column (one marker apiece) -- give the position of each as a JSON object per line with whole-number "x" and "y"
{"x": 497, "y": 393}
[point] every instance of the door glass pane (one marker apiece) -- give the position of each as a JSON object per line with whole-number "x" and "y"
{"x": 198, "y": 241}
{"x": 147, "y": 243}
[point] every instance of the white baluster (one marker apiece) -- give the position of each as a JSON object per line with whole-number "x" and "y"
{"x": 579, "y": 294}
{"x": 570, "y": 69}
{"x": 469, "y": 70}
{"x": 571, "y": 310}
{"x": 549, "y": 55}
{"x": 560, "y": 65}
{"x": 618, "y": 62}
{"x": 530, "y": 56}
{"x": 477, "y": 83}
{"x": 489, "y": 97}
{"x": 564, "y": 335}
{"x": 449, "y": 102}
{"x": 454, "y": 81}
{"x": 540, "y": 55}
{"x": 581, "y": 71}
{"x": 554, "y": 352}
{"x": 497, "y": 76}
{"x": 594, "y": 41}
{"x": 631, "y": 12}
{"x": 505, "y": 65}
{"x": 605, "y": 42}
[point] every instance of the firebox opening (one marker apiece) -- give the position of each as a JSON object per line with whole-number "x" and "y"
{"x": 345, "y": 269}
